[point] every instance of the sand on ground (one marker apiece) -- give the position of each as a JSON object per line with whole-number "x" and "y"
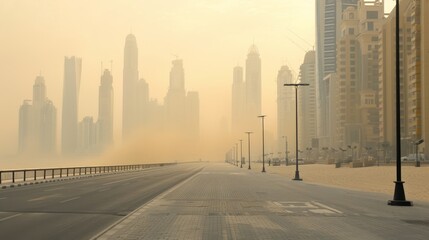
{"x": 369, "y": 179}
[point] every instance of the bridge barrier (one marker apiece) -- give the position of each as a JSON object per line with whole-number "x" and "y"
{"x": 23, "y": 175}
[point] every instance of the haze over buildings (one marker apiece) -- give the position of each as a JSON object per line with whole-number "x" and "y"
{"x": 69, "y": 126}
{"x": 38, "y": 122}
{"x": 207, "y": 60}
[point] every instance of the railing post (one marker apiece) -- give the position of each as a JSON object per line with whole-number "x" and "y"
{"x": 53, "y": 173}
{"x": 74, "y": 171}
{"x": 61, "y": 172}
{"x": 35, "y": 175}
{"x": 44, "y": 173}
{"x": 67, "y": 172}
{"x": 13, "y": 176}
{"x": 24, "y": 175}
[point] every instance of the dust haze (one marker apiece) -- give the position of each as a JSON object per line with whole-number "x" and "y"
{"x": 210, "y": 37}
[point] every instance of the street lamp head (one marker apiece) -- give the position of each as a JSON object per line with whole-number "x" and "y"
{"x": 262, "y": 116}
{"x": 296, "y": 84}
{"x": 420, "y": 141}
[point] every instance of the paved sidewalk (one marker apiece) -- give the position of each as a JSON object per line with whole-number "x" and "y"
{"x": 225, "y": 202}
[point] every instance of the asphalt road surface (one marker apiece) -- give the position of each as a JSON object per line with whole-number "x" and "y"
{"x": 226, "y": 202}
{"x": 80, "y": 208}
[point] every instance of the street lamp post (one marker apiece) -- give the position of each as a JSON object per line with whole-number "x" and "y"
{"x": 236, "y": 154}
{"x": 309, "y": 153}
{"x": 296, "y": 85}
{"x": 417, "y": 151}
{"x": 248, "y": 147}
{"x": 399, "y": 195}
{"x": 263, "y": 142}
{"x": 286, "y": 157}
{"x": 241, "y": 153}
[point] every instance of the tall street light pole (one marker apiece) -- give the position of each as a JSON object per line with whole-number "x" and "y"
{"x": 241, "y": 153}
{"x": 248, "y": 147}
{"x": 296, "y": 85}
{"x": 236, "y": 154}
{"x": 286, "y": 158}
{"x": 263, "y": 143}
{"x": 399, "y": 195}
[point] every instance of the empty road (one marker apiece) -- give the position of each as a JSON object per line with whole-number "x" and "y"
{"x": 80, "y": 208}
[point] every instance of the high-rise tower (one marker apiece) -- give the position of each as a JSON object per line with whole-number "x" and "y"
{"x": 175, "y": 99}
{"x": 130, "y": 81}
{"x": 253, "y": 86}
{"x": 72, "y": 74}
{"x": 37, "y": 122}
{"x": 285, "y": 108}
{"x": 105, "y": 109}
{"x": 328, "y": 20}
{"x": 307, "y": 102}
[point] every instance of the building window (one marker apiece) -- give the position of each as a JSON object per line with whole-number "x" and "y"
{"x": 372, "y": 15}
{"x": 370, "y": 26}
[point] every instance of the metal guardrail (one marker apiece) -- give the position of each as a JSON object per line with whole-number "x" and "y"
{"x": 22, "y": 175}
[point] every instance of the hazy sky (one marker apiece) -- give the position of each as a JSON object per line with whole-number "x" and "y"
{"x": 211, "y": 36}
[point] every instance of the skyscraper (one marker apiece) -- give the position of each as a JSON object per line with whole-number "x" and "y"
{"x": 72, "y": 75}
{"x": 37, "y": 122}
{"x": 238, "y": 105}
{"x": 253, "y": 87}
{"x": 26, "y": 137}
{"x": 414, "y": 48}
{"x": 348, "y": 126}
{"x": 328, "y": 19}
{"x": 105, "y": 109}
{"x": 425, "y": 73}
{"x": 87, "y": 136}
{"x": 175, "y": 98}
{"x": 370, "y": 23}
{"x": 307, "y": 102}
{"x": 130, "y": 81}
{"x": 285, "y": 108}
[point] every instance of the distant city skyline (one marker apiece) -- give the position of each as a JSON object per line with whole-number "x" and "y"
{"x": 52, "y": 68}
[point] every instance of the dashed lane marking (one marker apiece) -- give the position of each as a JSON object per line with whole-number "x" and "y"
{"x": 71, "y": 199}
{"x": 123, "y": 180}
{"x": 54, "y": 189}
{"x": 7, "y": 218}
{"x": 43, "y": 198}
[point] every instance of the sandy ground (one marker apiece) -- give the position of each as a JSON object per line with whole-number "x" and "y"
{"x": 370, "y": 179}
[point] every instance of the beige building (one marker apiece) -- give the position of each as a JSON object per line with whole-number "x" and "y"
{"x": 425, "y": 72}
{"x": 357, "y": 85}
{"x": 370, "y": 15}
{"x": 307, "y": 103}
{"x": 347, "y": 127}
{"x": 414, "y": 45}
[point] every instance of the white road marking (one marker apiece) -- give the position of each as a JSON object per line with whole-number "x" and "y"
{"x": 54, "y": 189}
{"x": 7, "y": 218}
{"x": 71, "y": 199}
{"x": 2, "y": 198}
{"x": 42, "y": 198}
{"x": 104, "y": 189}
{"x": 324, "y": 206}
{"x": 120, "y": 180}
